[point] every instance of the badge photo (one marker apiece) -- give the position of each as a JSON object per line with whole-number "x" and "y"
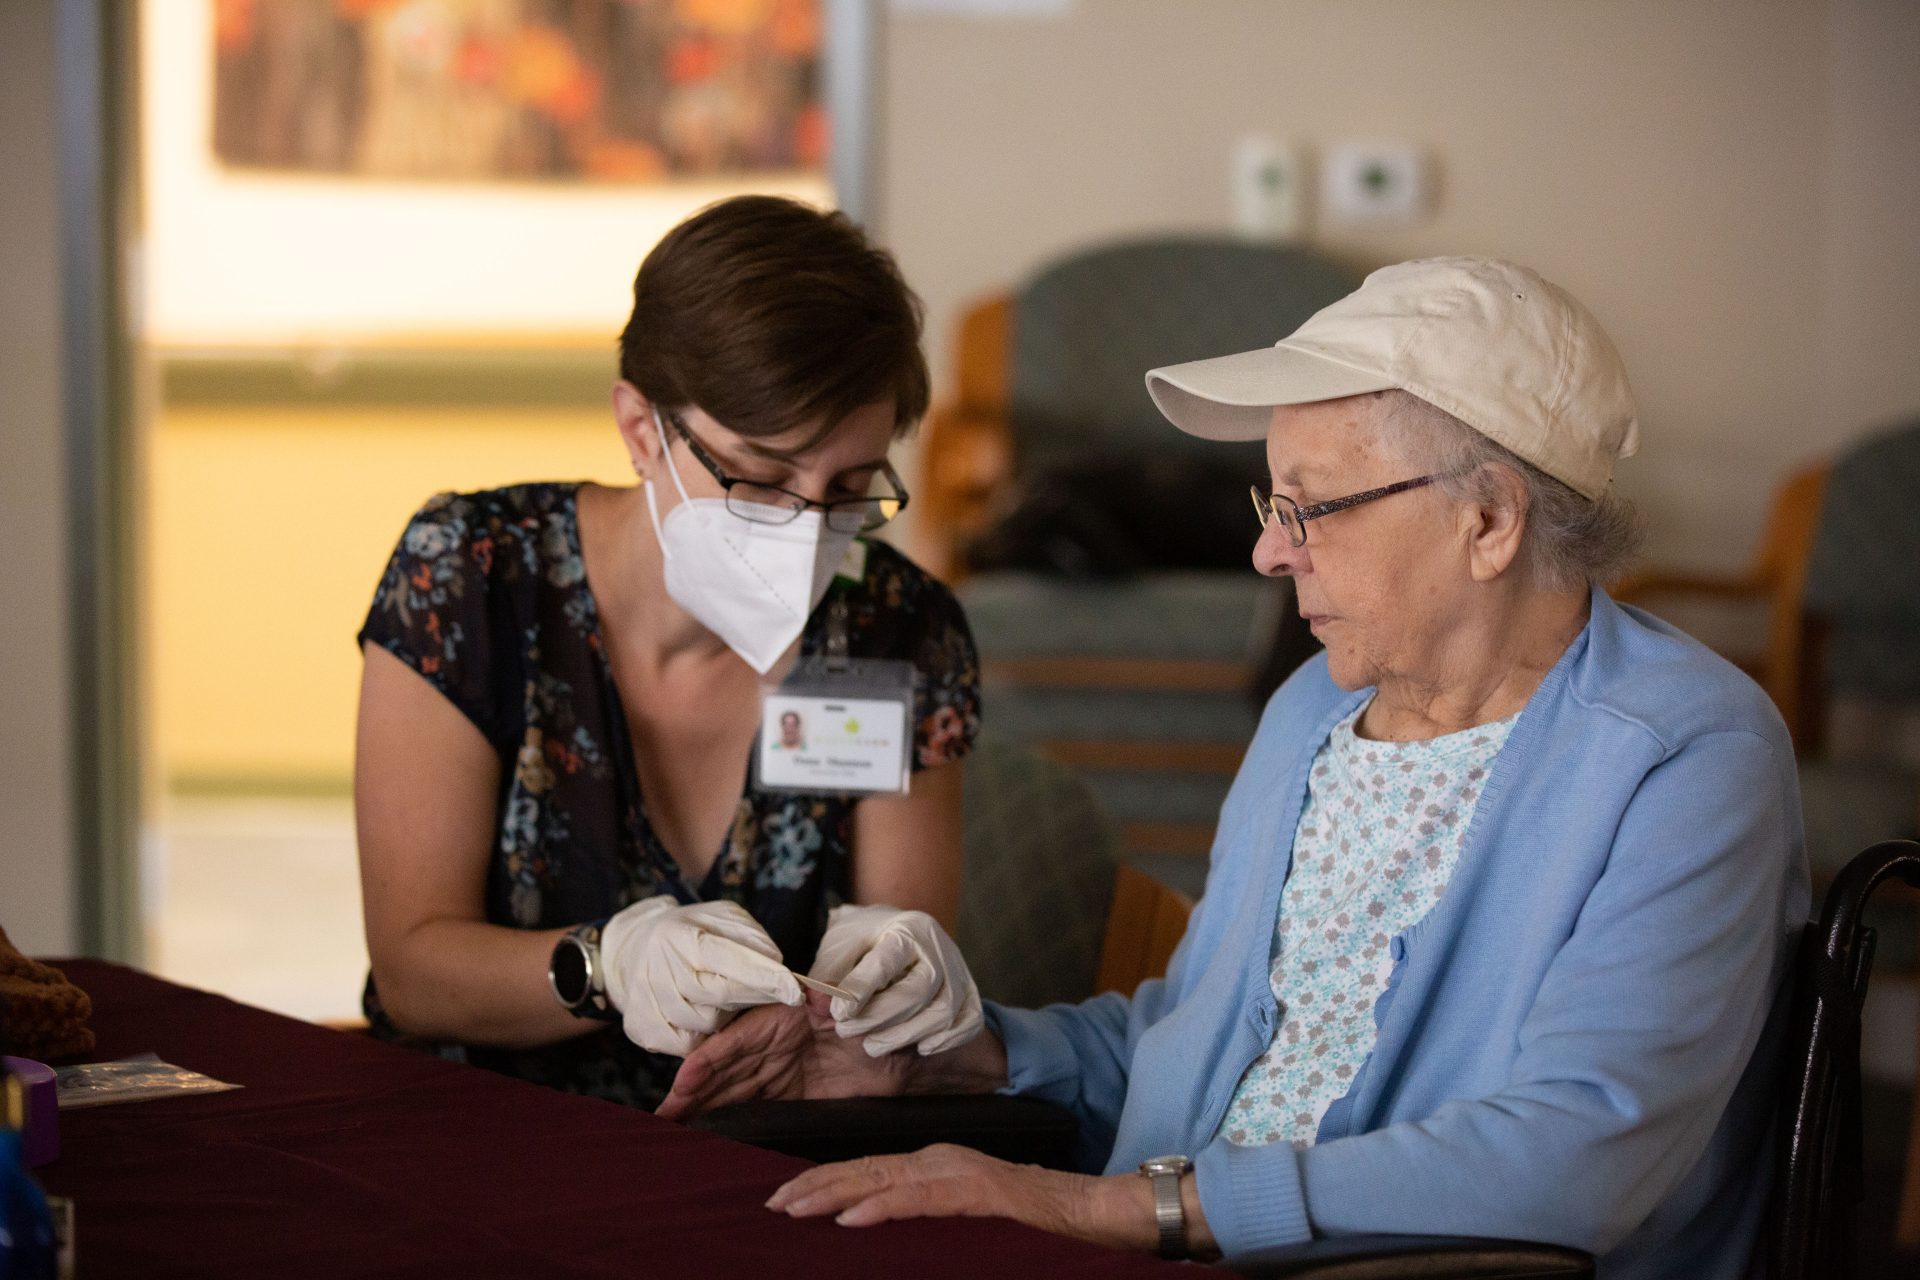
{"x": 841, "y": 729}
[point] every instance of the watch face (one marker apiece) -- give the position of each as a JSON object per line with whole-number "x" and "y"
{"x": 568, "y": 972}
{"x": 1165, "y": 1164}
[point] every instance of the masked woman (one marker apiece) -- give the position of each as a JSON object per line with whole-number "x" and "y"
{"x": 568, "y": 871}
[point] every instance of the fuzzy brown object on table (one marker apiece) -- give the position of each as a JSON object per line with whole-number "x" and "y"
{"x": 42, "y": 1015}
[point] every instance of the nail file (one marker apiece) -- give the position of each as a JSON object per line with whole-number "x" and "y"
{"x": 826, "y": 987}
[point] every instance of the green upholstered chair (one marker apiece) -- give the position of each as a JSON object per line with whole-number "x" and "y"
{"x": 1141, "y": 683}
{"x": 1142, "y": 686}
{"x": 1088, "y": 327}
{"x": 1056, "y": 368}
{"x": 1863, "y": 648}
{"x": 1039, "y": 876}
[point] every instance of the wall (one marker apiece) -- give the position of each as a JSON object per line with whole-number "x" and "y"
{"x": 37, "y": 890}
{"x": 270, "y": 528}
{"x": 1870, "y": 321}
{"x": 1718, "y": 180}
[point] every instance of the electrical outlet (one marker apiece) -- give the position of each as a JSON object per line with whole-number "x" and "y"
{"x": 1269, "y": 189}
{"x": 1377, "y": 182}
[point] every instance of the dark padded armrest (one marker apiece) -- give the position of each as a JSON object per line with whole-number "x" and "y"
{"x": 1411, "y": 1257}
{"x": 1024, "y": 1130}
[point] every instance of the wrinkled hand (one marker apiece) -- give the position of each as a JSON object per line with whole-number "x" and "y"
{"x": 780, "y": 1052}
{"x": 956, "y": 1182}
{"x": 679, "y": 973}
{"x": 907, "y": 982}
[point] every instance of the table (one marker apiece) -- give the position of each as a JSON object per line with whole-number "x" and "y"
{"x": 345, "y": 1156}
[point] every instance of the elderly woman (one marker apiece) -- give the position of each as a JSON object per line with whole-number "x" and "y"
{"x": 1502, "y": 899}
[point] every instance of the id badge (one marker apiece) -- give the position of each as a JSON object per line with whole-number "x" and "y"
{"x": 838, "y": 725}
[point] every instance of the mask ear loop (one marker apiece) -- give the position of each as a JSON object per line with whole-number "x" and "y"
{"x": 666, "y": 455}
{"x": 646, "y": 484}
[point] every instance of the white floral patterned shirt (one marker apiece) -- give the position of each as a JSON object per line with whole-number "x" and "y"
{"x": 1376, "y": 845}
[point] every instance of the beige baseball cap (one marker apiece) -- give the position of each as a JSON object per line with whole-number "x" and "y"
{"x": 1509, "y": 354}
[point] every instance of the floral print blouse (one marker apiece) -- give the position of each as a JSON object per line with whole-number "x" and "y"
{"x": 1376, "y": 846}
{"x": 486, "y": 597}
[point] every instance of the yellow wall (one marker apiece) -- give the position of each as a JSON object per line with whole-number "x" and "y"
{"x": 268, "y": 530}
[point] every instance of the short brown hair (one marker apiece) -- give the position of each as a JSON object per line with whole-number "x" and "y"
{"x": 767, "y": 314}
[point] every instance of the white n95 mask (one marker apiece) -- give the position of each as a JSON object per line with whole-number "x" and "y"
{"x": 754, "y": 585}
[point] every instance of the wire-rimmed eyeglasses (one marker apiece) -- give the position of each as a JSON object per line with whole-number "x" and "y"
{"x": 770, "y": 504}
{"x": 1293, "y": 517}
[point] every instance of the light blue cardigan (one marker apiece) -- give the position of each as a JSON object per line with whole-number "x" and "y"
{"x": 1576, "y": 1045}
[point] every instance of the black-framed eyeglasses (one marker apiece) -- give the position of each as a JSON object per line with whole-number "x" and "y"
{"x": 770, "y": 504}
{"x": 1293, "y": 517}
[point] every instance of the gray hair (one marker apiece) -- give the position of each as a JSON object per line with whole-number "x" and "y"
{"x": 1569, "y": 541}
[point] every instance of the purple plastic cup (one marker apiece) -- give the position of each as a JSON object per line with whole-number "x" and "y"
{"x": 40, "y": 1143}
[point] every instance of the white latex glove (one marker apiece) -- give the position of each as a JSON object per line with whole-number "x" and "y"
{"x": 907, "y": 982}
{"x": 678, "y": 974}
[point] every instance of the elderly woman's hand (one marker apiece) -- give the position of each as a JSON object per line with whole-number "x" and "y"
{"x": 949, "y": 1182}
{"x": 775, "y": 1051}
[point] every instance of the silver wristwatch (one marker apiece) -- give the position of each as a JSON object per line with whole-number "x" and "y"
{"x": 1165, "y": 1172}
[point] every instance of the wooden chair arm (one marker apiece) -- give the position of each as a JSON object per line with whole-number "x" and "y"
{"x": 1144, "y": 926}
{"x": 967, "y": 457}
{"x": 1675, "y": 582}
{"x": 966, "y": 450}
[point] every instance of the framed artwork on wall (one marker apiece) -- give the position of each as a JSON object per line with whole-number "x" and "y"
{"x": 581, "y": 90}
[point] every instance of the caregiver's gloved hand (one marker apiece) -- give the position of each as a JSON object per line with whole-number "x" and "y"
{"x": 907, "y": 982}
{"x": 677, "y": 974}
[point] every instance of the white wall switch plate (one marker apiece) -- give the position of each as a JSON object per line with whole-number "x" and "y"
{"x": 1269, "y": 189}
{"x": 1377, "y": 182}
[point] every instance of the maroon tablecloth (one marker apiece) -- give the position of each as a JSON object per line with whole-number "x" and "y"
{"x": 344, "y": 1157}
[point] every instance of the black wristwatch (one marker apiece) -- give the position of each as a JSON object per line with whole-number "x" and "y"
{"x": 578, "y": 980}
{"x": 1165, "y": 1172}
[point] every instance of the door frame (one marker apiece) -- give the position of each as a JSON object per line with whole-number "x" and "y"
{"x": 94, "y": 49}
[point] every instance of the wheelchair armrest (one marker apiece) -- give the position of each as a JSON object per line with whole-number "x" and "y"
{"x": 1384, "y": 1257}
{"x": 1023, "y": 1130}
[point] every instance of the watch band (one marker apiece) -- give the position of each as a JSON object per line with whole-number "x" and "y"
{"x": 1169, "y": 1214}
